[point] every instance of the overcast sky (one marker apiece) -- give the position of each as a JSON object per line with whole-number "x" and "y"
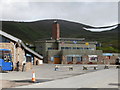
{"x": 89, "y": 12}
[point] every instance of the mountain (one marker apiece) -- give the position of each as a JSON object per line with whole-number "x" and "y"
{"x": 32, "y": 31}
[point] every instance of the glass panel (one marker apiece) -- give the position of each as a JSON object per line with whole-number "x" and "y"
{"x": 79, "y": 59}
{"x": 69, "y": 59}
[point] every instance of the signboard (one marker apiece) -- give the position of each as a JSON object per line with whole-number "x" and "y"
{"x": 86, "y": 43}
{"x": 74, "y": 42}
{"x": 107, "y": 54}
{"x": 52, "y": 58}
{"x": 93, "y": 58}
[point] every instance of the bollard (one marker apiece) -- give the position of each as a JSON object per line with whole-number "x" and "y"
{"x": 118, "y": 67}
{"x": 95, "y": 68}
{"x": 33, "y": 77}
{"x": 70, "y": 68}
{"x": 85, "y": 68}
{"x": 106, "y": 67}
{"x": 56, "y": 68}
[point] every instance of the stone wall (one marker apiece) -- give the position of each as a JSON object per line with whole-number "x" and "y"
{"x": 37, "y": 61}
{"x": 17, "y": 52}
{"x": 85, "y": 60}
{"x": 8, "y": 46}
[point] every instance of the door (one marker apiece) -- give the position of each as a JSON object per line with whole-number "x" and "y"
{"x": 57, "y": 59}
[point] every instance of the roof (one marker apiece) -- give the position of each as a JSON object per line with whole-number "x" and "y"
{"x": 30, "y": 50}
{"x": 73, "y": 39}
{"x": 9, "y": 36}
{"x": 15, "y": 39}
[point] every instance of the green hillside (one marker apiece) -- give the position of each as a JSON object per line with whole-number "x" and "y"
{"x": 32, "y": 31}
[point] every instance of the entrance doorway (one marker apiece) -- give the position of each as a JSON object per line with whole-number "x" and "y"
{"x": 57, "y": 59}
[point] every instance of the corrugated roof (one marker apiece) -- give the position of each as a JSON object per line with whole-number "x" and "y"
{"x": 20, "y": 41}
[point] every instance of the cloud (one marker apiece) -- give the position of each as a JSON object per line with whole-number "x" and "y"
{"x": 90, "y": 13}
{"x": 102, "y": 29}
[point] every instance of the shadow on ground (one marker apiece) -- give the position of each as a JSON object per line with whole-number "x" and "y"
{"x": 3, "y": 71}
{"x": 30, "y": 81}
{"x": 115, "y": 84}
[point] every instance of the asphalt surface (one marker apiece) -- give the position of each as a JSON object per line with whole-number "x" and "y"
{"x": 100, "y": 79}
{"x": 45, "y": 73}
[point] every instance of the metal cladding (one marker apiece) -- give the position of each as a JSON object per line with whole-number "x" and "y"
{"x": 56, "y": 31}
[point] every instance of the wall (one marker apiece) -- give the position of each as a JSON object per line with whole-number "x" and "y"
{"x": 37, "y": 61}
{"x": 85, "y": 60}
{"x": 77, "y": 45}
{"x": 82, "y": 52}
{"x": 8, "y": 46}
{"x": 52, "y": 53}
{"x": 63, "y": 52}
{"x": 17, "y": 52}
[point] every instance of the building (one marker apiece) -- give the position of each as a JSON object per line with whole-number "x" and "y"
{"x": 59, "y": 50}
{"x": 20, "y": 52}
{"x": 110, "y": 58}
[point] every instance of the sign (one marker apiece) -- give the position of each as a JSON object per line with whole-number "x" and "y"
{"x": 86, "y": 43}
{"x": 52, "y": 58}
{"x": 74, "y": 42}
{"x": 107, "y": 54}
{"x": 93, "y": 58}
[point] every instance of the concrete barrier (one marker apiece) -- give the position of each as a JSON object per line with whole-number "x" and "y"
{"x": 70, "y": 67}
{"x": 107, "y": 66}
{"x": 93, "y": 66}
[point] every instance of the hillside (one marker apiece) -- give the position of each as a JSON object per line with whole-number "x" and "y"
{"x": 32, "y": 31}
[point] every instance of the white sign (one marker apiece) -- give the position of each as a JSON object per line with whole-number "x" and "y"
{"x": 52, "y": 59}
{"x": 93, "y": 58}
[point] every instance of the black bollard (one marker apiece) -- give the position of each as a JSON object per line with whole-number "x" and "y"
{"x": 95, "y": 68}
{"x": 106, "y": 67}
{"x": 118, "y": 67}
{"x": 85, "y": 68}
{"x": 71, "y": 68}
{"x": 56, "y": 68}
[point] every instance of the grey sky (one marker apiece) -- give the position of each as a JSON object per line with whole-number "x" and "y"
{"x": 92, "y": 13}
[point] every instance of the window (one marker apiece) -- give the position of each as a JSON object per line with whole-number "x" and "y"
{"x": 62, "y": 47}
{"x": 3, "y": 39}
{"x": 74, "y": 47}
{"x": 69, "y": 59}
{"x": 28, "y": 59}
{"x": 67, "y": 47}
{"x": 1, "y": 55}
{"x": 50, "y": 48}
{"x": 86, "y": 48}
{"x": 80, "y": 48}
{"x": 52, "y": 58}
{"x": 92, "y": 49}
{"x": 79, "y": 59}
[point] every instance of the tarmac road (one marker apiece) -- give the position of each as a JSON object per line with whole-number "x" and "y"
{"x": 107, "y": 78}
{"x": 45, "y": 73}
